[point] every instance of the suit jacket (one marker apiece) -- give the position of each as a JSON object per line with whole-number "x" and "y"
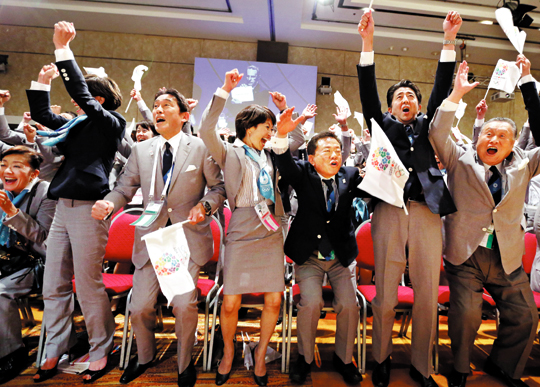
{"x": 419, "y": 158}
{"x": 466, "y": 228}
{"x": 231, "y": 157}
{"x": 90, "y": 146}
{"x": 32, "y": 223}
{"x": 194, "y": 171}
{"x": 313, "y": 223}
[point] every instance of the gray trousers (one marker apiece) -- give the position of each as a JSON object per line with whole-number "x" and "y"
{"x": 515, "y": 302}
{"x": 76, "y": 245}
{"x": 393, "y": 232}
{"x": 309, "y": 277}
{"x": 143, "y": 314}
{"x": 11, "y": 288}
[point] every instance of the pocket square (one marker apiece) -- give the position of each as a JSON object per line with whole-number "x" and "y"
{"x": 523, "y": 164}
{"x": 191, "y": 168}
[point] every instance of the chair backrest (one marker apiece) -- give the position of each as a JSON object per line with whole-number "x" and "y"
{"x": 227, "y": 213}
{"x": 217, "y": 235}
{"x": 530, "y": 252}
{"x": 121, "y": 237}
{"x": 365, "y": 258}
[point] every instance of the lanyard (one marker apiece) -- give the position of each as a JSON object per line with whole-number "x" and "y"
{"x": 154, "y": 173}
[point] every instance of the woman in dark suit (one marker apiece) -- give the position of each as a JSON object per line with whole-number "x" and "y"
{"x": 26, "y": 215}
{"x": 77, "y": 241}
{"x": 254, "y": 247}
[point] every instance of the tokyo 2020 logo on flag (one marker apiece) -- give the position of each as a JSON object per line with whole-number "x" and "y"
{"x": 167, "y": 264}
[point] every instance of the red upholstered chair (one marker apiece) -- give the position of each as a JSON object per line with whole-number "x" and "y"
{"x": 207, "y": 292}
{"x": 528, "y": 259}
{"x": 366, "y": 293}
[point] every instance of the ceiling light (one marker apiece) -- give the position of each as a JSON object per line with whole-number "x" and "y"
{"x": 391, "y": 48}
{"x": 435, "y": 53}
{"x": 486, "y": 22}
{"x": 467, "y": 55}
{"x": 405, "y": 48}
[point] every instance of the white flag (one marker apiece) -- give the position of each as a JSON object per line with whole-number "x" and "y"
{"x": 505, "y": 20}
{"x": 100, "y": 72}
{"x": 137, "y": 76}
{"x": 342, "y": 102}
{"x": 461, "y": 109}
{"x": 360, "y": 118}
{"x": 385, "y": 173}
{"x": 169, "y": 252}
{"x": 505, "y": 76}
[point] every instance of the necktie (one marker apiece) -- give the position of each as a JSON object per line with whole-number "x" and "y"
{"x": 495, "y": 184}
{"x": 167, "y": 161}
{"x": 410, "y": 133}
{"x": 330, "y": 195}
{"x": 60, "y": 134}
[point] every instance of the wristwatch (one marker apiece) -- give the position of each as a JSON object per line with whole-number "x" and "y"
{"x": 454, "y": 42}
{"x": 207, "y": 208}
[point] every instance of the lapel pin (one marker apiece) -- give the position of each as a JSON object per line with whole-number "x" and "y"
{"x": 344, "y": 181}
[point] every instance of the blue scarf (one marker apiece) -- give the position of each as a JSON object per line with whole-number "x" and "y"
{"x": 264, "y": 182}
{"x": 60, "y": 134}
{"x": 8, "y": 236}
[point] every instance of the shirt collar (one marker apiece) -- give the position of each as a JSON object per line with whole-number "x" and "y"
{"x": 174, "y": 142}
{"x": 324, "y": 178}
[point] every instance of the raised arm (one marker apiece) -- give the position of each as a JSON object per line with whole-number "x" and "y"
{"x": 530, "y": 97}
{"x": 6, "y": 134}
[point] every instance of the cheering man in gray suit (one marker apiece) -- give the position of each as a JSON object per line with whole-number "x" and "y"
{"x": 192, "y": 169}
{"x": 484, "y": 238}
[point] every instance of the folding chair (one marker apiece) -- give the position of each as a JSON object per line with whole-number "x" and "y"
{"x": 207, "y": 292}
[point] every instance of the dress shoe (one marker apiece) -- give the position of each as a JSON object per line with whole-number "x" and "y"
{"x": 188, "y": 377}
{"x": 381, "y": 373}
{"x": 349, "y": 372}
{"x": 94, "y": 375}
{"x": 222, "y": 378}
{"x": 259, "y": 380}
{"x": 299, "y": 370}
{"x": 494, "y": 370}
{"x": 12, "y": 365}
{"x": 421, "y": 379}
{"x": 134, "y": 370}
{"x": 457, "y": 379}
{"x": 46, "y": 374}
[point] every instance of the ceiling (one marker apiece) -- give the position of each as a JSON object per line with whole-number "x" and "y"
{"x": 411, "y": 25}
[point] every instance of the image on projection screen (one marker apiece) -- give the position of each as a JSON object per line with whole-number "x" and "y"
{"x": 298, "y": 83}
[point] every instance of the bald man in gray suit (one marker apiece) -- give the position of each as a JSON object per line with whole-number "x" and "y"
{"x": 484, "y": 238}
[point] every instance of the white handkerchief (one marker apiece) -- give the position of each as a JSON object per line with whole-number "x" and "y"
{"x": 191, "y": 168}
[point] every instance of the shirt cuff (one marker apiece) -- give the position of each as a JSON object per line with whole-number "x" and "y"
{"x": 222, "y": 93}
{"x": 526, "y": 78}
{"x": 279, "y": 145}
{"x": 448, "y": 106}
{"x": 63, "y": 54}
{"x": 478, "y": 123}
{"x": 39, "y": 86}
{"x": 11, "y": 217}
{"x": 345, "y": 133}
{"x": 2, "y": 111}
{"x": 367, "y": 58}
{"x": 448, "y": 56}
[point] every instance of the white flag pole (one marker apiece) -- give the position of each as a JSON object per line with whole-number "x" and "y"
{"x": 370, "y": 4}
{"x": 129, "y": 104}
{"x": 487, "y": 91}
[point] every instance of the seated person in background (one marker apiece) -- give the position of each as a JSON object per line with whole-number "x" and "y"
{"x": 484, "y": 238}
{"x": 26, "y": 215}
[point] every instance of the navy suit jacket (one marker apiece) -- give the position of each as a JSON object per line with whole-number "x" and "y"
{"x": 419, "y": 159}
{"x": 90, "y": 146}
{"x": 312, "y": 222}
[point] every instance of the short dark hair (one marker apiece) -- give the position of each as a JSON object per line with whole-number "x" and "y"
{"x": 251, "y": 116}
{"x": 147, "y": 125}
{"x": 502, "y": 119}
{"x": 34, "y": 158}
{"x": 314, "y": 142}
{"x": 400, "y": 84}
{"x": 180, "y": 99}
{"x": 104, "y": 87}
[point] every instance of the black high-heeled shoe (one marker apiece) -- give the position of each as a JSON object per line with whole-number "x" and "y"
{"x": 46, "y": 374}
{"x": 260, "y": 380}
{"x": 94, "y": 375}
{"x": 222, "y": 378}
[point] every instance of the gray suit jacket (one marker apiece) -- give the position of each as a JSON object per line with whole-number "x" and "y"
{"x": 187, "y": 188}
{"x": 231, "y": 158}
{"x": 32, "y": 223}
{"x": 476, "y": 207}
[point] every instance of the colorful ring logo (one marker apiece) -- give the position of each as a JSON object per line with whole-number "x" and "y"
{"x": 167, "y": 264}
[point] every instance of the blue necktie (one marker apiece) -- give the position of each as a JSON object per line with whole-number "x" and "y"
{"x": 59, "y": 135}
{"x": 167, "y": 162}
{"x": 495, "y": 184}
{"x": 330, "y": 195}
{"x": 264, "y": 182}
{"x": 410, "y": 133}
{"x": 8, "y": 236}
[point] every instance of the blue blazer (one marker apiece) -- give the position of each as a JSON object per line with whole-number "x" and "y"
{"x": 90, "y": 146}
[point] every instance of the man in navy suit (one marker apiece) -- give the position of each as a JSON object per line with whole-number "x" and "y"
{"x": 426, "y": 197}
{"x": 321, "y": 241}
